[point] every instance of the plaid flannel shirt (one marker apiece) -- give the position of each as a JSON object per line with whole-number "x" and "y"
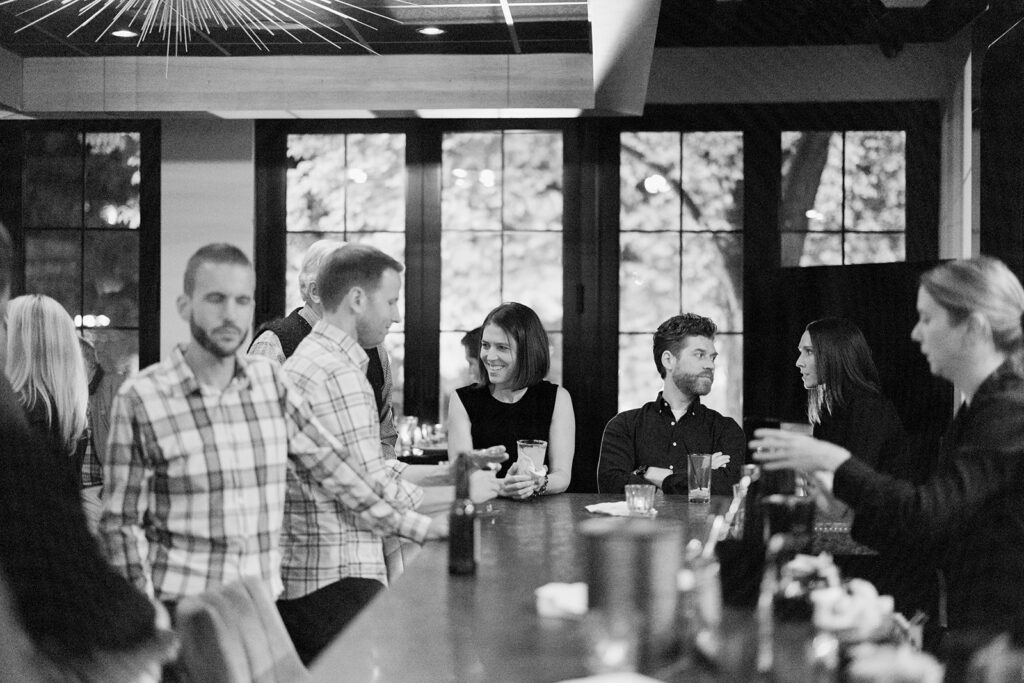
{"x": 323, "y": 541}
{"x": 269, "y": 346}
{"x": 194, "y": 478}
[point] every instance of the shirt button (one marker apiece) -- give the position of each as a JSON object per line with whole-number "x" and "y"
{"x": 672, "y": 424}
{"x": 673, "y": 443}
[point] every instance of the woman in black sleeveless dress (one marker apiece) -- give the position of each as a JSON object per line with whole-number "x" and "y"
{"x": 515, "y": 402}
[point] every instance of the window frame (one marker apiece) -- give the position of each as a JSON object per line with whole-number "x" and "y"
{"x": 590, "y": 260}
{"x": 12, "y": 155}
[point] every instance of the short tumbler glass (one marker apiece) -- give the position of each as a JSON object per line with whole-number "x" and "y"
{"x": 640, "y": 498}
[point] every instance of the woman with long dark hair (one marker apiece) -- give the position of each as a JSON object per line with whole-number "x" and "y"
{"x": 967, "y": 520}
{"x": 845, "y": 404}
{"x": 513, "y": 401}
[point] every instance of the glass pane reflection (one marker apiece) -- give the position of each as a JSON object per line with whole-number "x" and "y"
{"x": 52, "y": 180}
{"x": 532, "y": 274}
{"x": 713, "y": 278}
{"x": 649, "y": 280}
{"x": 875, "y": 181}
{"x": 532, "y": 181}
{"x": 117, "y": 350}
{"x": 713, "y": 180}
{"x": 111, "y": 287}
{"x": 375, "y": 182}
{"x": 316, "y": 183}
{"x": 470, "y": 278}
{"x": 112, "y": 180}
{"x": 649, "y": 181}
{"x": 471, "y": 181}
{"x": 866, "y": 247}
{"x": 53, "y": 266}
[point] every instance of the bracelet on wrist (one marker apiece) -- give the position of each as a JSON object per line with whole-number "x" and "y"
{"x": 540, "y": 489}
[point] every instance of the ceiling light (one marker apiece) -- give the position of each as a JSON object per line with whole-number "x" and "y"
{"x": 430, "y": 31}
{"x": 124, "y": 33}
{"x": 180, "y": 20}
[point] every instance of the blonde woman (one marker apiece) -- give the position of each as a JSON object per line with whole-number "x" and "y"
{"x": 46, "y": 370}
{"x": 967, "y": 520}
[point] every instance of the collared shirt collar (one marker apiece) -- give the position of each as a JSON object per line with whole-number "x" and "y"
{"x": 309, "y": 315}
{"x": 341, "y": 340}
{"x": 187, "y": 379}
{"x": 665, "y": 408}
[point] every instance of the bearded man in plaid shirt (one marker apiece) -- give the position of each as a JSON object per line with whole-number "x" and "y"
{"x": 194, "y": 474}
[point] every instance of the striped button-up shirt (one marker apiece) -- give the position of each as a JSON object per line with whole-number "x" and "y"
{"x": 324, "y": 541}
{"x": 194, "y": 477}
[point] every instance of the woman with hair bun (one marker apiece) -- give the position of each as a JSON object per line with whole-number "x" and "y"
{"x": 513, "y": 401}
{"x": 967, "y": 520}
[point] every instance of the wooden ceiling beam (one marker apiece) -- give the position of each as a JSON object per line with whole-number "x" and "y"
{"x": 139, "y": 85}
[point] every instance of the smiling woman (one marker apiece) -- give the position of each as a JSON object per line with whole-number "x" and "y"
{"x": 515, "y": 402}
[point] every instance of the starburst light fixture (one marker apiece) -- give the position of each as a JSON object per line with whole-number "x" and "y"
{"x": 179, "y": 20}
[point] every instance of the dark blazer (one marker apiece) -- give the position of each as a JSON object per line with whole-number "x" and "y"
{"x": 968, "y": 519}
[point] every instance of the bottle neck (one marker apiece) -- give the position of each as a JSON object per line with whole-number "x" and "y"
{"x": 462, "y": 472}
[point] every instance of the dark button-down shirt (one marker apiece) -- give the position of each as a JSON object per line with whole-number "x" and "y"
{"x": 652, "y": 436}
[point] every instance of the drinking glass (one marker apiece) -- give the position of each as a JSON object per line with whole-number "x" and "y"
{"x": 699, "y": 477}
{"x": 407, "y": 425}
{"x": 534, "y": 449}
{"x": 640, "y": 498}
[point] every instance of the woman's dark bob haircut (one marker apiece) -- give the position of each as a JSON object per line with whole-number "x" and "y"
{"x": 521, "y": 324}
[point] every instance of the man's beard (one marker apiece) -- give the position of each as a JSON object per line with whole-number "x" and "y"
{"x": 204, "y": 340}
{"x": 694, "y": 385}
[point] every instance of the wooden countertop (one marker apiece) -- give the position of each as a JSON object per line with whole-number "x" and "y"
{"x": 430, "y": 626}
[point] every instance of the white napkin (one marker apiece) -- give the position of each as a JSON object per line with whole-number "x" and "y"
{"x": 616, "y": 509}
{"x": 562, "y": 599}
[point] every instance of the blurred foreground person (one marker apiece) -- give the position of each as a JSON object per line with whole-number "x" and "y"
{"x": 83, "y": 621}
{"x": 967, "y": 520}
{"x": 513, "y": 401}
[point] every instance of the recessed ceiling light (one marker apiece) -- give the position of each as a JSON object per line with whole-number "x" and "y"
{"x": 124, "y": 33}
{"x": 430, "y": 31}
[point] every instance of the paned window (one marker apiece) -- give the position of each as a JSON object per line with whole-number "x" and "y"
{"x": 501, "y": 237}
{"x": 349, "y": 187}
{"x": 81, "y": 221}
{"x": 843, "y": 197}
{"x": 681, "y": 250}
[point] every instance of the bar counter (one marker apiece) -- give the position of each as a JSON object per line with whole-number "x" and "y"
{"x": 430, "y": 626}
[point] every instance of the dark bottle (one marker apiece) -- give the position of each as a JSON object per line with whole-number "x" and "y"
{"x": 753, "y": 526}
{"x": 463, "y": 531}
